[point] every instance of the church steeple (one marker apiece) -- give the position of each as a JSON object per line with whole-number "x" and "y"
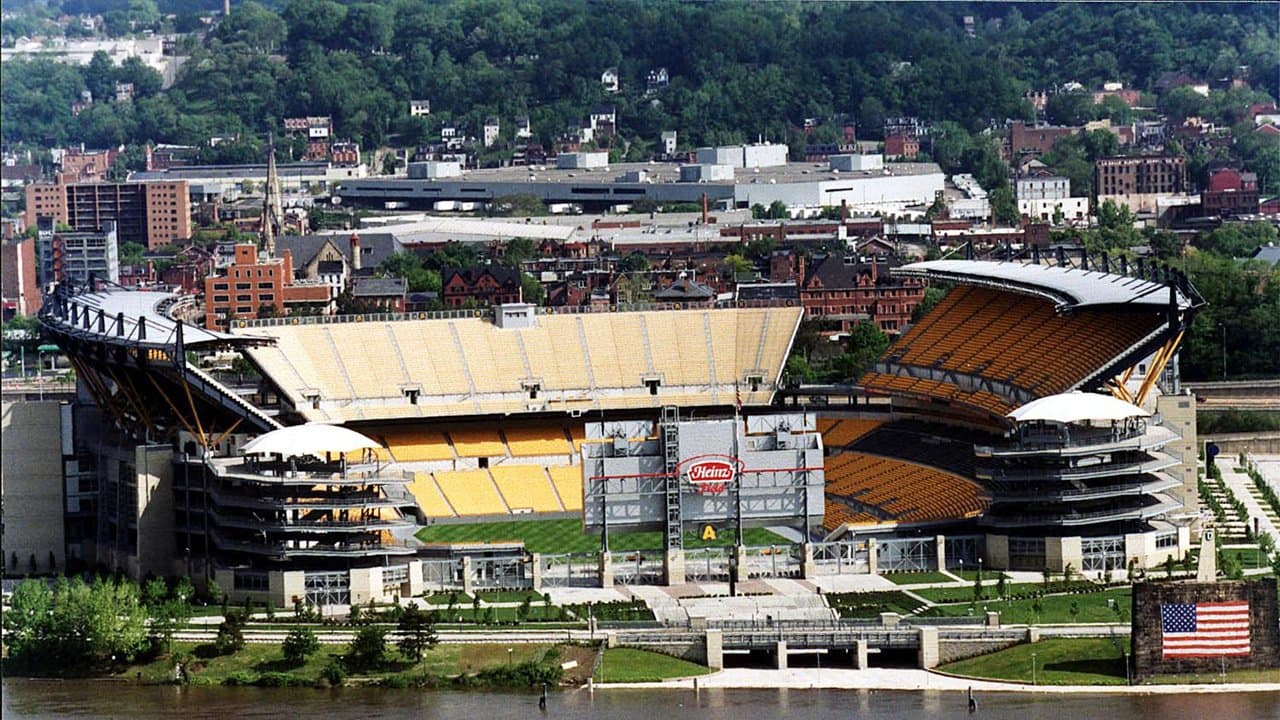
{"x": 272, "y": 211}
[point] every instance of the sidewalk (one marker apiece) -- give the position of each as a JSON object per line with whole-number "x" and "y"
{"x": 1240, "y": 483}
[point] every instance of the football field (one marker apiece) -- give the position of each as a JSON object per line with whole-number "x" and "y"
{"x": 566, "y": 536}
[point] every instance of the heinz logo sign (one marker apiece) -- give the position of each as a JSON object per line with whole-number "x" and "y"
{"x": 711, "y": 474}
{"x": 711, "y": 471}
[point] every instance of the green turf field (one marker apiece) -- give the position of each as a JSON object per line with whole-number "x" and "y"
{"x": 566, "y": 536}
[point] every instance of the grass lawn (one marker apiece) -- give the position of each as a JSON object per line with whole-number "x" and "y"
{"x": 965, "y": 594}
{"x": 566, "y": 536}
{"x": 1055, "y": 609}
{"x": 871, "y": 604}
{"x": 630, "y": 665}
{"x": 1059, "y": 661}
{"x": 969, "y": 575}
{"x": 505, "y": 596}
{"x": 913, "y": 578}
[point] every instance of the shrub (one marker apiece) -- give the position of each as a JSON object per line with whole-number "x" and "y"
{"x": 334, "y": 673}
{"x": 230, "y": 637}
{"x": 368, "y": 651}
{"x": 299, "y": 644}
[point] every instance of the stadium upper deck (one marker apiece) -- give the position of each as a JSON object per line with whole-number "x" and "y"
{"x": 1013, "y": 332}
{"x": 384, "y": 368}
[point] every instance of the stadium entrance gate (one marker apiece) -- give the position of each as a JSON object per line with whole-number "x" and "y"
{"x": 571, "y": 570}
{"x": 328, "y": 588}
{"x": 842, "y": 557}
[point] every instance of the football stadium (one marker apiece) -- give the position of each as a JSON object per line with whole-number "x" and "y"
{"x": 1032, "y": 420}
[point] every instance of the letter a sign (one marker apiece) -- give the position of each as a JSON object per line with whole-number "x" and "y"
{"x": 708, "y": 532}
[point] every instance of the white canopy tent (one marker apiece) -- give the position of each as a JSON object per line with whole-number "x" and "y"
{"x": 1077, "y": 407}
{"x": 309, "y": 439}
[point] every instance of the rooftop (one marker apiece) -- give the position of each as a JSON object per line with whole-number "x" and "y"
{"x": 1064, "y": 286}
{"x": 665, "y": 172}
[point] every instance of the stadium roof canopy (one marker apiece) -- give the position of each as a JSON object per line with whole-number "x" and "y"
{"x": 146, "y": 319}
{"x": 1077, "y": 407}
{"x": 1065, "y": 287}
{"x": 309, "y": 439}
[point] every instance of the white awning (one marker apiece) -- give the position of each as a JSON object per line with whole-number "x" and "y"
{"x": 1077, "y": 407}
{"x": 309, "y": 439}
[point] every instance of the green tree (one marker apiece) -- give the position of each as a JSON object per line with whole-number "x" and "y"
{"x": 737, "y": 263}
{"x": 73, "y": 627}
{"x": 254, "y": 25}
{"x": 417, "y": 633}
{"x": 865, "y": 345}
{"x": 230, "y": 637}
{"x": 531, "y": 290}
{"x": 1004, "y": 208}
{"x": 634, "y": 262}
{"x": 517, "y": 251}
{"x": 299, "y": 644}
{"x": 368, "y": 650}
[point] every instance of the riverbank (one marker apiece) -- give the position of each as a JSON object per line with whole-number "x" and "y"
{"x": 898, "y": 679}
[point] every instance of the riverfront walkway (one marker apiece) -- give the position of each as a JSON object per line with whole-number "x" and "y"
{"x": 905, "y": 679}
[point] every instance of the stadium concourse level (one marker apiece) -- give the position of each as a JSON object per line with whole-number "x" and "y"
{"x": 1012, "y": 338}
{"x": 378, "y": 369}
{"x": 529, "y": 469}
{"x": 871, "y": 489}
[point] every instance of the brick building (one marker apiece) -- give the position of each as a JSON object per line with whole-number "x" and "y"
{"x": 256, "y": 287}
{"x": 1035, "y": 140}
{"x": 1231, "y": 192}
{"x": 1137, "y": 181}
{"x": 19, "y": 289}
{"x": 153, "y": 214}
{"x": 851, "y": 290}
{"x": 901, "y": 146}
{"x": 488, "y": 285}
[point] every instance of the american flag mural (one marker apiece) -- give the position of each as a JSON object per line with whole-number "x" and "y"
{"x": 1206, "y": 629}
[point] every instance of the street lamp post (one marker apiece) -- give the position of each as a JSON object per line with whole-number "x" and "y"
{"x": 509, "y": 652}
{"x": 1224, "y": 349}
{"x": 1033, "y": 668}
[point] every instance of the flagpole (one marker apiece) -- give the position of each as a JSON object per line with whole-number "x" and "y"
{"x": 737, "y": 462}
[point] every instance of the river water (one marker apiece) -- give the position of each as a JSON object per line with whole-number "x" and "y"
{"x": 106, "y": 699}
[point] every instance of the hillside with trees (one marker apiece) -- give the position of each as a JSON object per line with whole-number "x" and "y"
{"x": 738, "y": 70}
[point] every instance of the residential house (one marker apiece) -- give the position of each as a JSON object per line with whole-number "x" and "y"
{"x": 686, "y": 291}
{"x": 419, "y": 108}
{"x": 656, "y": 80}
{"x": 486, "y": 285}
{"x": 492, "y": 129}
{"x": 524, "y": 130}
{"x": 609, "y": 79}
{"x": 344, "y": 153}
{"x": 900, "y": 145}
{"x": 668, "y": 140}
{"x": 379, "y": 295}
{"x": 603, "y": 119}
